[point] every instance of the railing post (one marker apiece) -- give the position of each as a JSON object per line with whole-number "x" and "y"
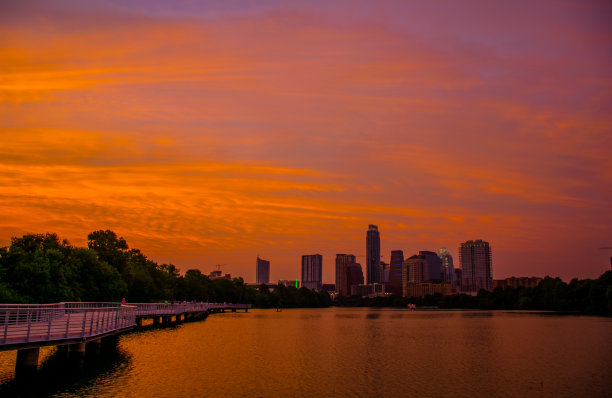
{"x": 91, "y": 324}
{"x": 68, "y": 323}
{"x": 49, "y": 325}
{"x": 29, "y": 318}
{"x": 84, "y": 322}
{"x": 6, "y": 319}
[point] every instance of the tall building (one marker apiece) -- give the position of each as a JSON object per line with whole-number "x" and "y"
{"x": 312, "y": 271}
{"x": 373, "y": 254}
{"x": 384, "y": 272}
{"x": 395, "y": 272}
{"x": 415, "y": 270}
{"x": 476, "y": 267}
{"x": 342, "y": 262}
{"x": 458, "y": 275}
{"x": 354, "y": 276}
{"x": 447, "y": 269}
{"x": 262, "y": 272}
{"x": 433, "y": 266}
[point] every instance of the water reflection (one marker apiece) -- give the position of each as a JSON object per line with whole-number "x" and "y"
{"x": 60, "y": 375}
{"x": 340, "y": 352}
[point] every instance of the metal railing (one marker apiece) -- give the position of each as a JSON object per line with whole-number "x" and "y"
{"x": 63, "y": 321}
{"x": 31, "y": 323}
{"x": 161, "y": 309}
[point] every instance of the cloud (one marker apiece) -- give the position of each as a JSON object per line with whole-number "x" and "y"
{"x": 213, "y": 130}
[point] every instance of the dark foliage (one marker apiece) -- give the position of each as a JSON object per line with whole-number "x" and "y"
{"x": 590, "y": 296}
{"x": 39, "y": 268}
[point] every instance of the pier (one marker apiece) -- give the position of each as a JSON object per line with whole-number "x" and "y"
{"x": 27, "y": 327}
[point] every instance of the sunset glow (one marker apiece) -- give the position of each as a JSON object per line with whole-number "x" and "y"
{"x": 210, "y": 133}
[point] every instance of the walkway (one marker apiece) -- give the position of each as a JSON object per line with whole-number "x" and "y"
{"x": 29, "y": 326}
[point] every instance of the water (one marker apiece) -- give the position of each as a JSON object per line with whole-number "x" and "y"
{"x": 340, "y": 352}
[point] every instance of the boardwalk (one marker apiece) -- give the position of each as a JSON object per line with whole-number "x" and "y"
{"x": 26, "y": 326}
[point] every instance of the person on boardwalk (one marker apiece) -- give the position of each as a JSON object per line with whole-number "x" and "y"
{"x": 123, "y": 301}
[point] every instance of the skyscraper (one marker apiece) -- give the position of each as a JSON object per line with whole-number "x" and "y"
{"x": 395, "y": 272}
{"x": 476, "y": 267}
{"x": 262, "y": 272}
{"x": 433, "y": 266}
{"x": 447, "y": 269}
{"x": 354, "y": 276}
{"x": 416, "y": 269}
{"x": 342, "y": 283}
{"x": 312, "y": 271}
{"x": 384, "y": 272}
{"x": 373, "y": 254}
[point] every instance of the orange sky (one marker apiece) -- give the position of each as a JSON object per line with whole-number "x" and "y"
{"x": 211, "y": 132}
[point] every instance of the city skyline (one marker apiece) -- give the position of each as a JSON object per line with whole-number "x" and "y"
{"x": 205, "y": 133}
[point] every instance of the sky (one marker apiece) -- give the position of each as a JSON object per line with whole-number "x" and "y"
{"x": 212, "y": 132}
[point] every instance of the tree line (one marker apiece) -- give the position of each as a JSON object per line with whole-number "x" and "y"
{"x": 589, "y": 296}
{"x": 42, "y": 268}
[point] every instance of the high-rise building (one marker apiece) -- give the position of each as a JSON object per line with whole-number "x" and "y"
{"x": 422, "y": 267}
{"x": 476, "y": 267}
{"x": 312, "y": 271}
{"x": 416, "y": 269}
{"x": 262, "y": 272}
{"x": 342, "y": 261}
{"x": 373, "y": 254}
{"x": 384, "y": 272}
{"x": 458, "y": 275}
{"x": 433, "y": 266}
{"x": 354, "y": 276}
{"x": 395, "y": 272}
{"x": 447, "y": 269}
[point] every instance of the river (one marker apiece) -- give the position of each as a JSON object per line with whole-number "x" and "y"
{"x": 344, "y": 352}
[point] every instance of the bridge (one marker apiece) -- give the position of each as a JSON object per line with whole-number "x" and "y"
{"x": 27, "y": 327}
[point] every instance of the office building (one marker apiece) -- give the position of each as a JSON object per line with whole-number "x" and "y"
{"x": 312, "y": 271}
{"x": 415, "y": 270}
{"x": 262, "y": 272}
{"x": 447, "y": 269}
{"x": 373, "y": 254}
{"x": 516, "y": 282}
{"x": 476, "y": 267}
{"x": 423, "y": 289}
{"x": 354, "y": 276}
{"x": 395, "y": 272}
{"x": 433, "y": 266}
{"x": 342, "y": 261}
{"x": 384, "y": 272}
{"x": 375, "y": 290}
{"x": 458, "y": 277}
{"x": 289, "y": 283}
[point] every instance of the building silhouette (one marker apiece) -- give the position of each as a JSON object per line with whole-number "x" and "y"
{"x": 419, "y": 268}
{"x": 312, "y": 271}
{"x": 342, "y": 261}
{"x": 415, "y": 270}
{"x": 262, "y": 271}
{"x": 476, "y": 267}
{"x": 348, "y": 273}
{"x": 373, "y": 255}
{"x": 354, "y": 276}
{"x": 395, "y": 272}
{"x": 433, "y": 266}
{"x": 447, "y": 268}
{"x": 384, "y": 272}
